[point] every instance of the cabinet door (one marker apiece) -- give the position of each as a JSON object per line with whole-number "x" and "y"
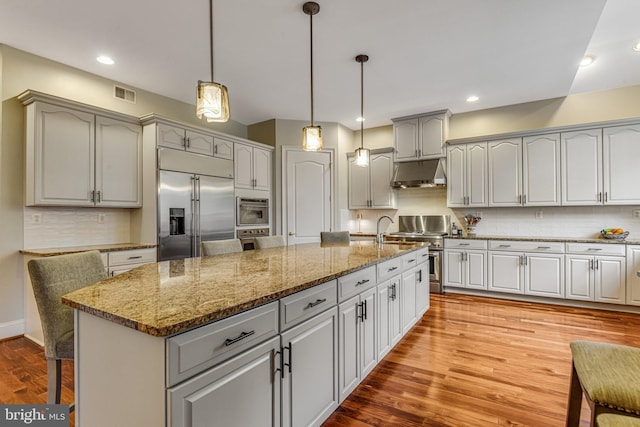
{"x": 610, "y": 279}
{"x": 395, "y": 311}
{"x": 454, "y": 271}
{"x": 262, "y": 169}
{"x": 383, "y": 316}
{"x": 541, "y": 170}
{"x": 170, "y": 136}
{"x": 349, "y": 313}
{"x": 359, "y": 196}
{"x": 505, "y": 273}
{"x": 456, "y": 175}
{"x": 544, "y": 275}
{"x": 118, "y": 163}
{"x": 477, "y": 174}
{"x": 422, "y": 290}
{"x": 405, "y": 140}
{"x": 367, "y": 339}
{"x": 224, "y": 392}
{"x": 243, "y": 166}
{"x": 581, "y": 154}
{"x": 476, "y": 270}
{"x": 633, "y": 275}
{"x": 505, "y": 164}
{"x": 621, "y": 151}
{"x": 431, "y": 137}
{"x": 196, "y": 142}
{"x": 64, "y": 155}
{"x": 381, "y": 173}
{"x": 310, "y": 388}
{"x": 222, "y": 148}
{"x": 579, "y": 278}
{"x": 408, "y": 295}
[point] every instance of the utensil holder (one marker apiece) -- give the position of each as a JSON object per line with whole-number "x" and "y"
{"x": 471, "y": 230}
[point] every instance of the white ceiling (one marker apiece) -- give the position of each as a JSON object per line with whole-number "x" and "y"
{"x": 425, "y": 55}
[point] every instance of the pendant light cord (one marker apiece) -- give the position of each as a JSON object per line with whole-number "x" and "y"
{"x": 311, "y": 50}
{"x": 211, "y": 36}
{"x": 362, "y": 104}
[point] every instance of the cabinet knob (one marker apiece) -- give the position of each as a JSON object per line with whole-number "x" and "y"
{"x": 291, "y": 233}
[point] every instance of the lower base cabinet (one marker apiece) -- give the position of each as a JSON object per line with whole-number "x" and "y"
{"x": 309, "y": 372}
{"x": 599, "y": 278}
{"x": 388, "y": 315}
{"x": 357, "y": 340}
{"x": 407, "y": 294}
{"x": 633, "y": 275}
{"x": 422, "y": 289}
{"x": 242, "y": 392}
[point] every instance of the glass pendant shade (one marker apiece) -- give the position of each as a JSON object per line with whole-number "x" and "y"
{"x": 362, "y": 157}
{"x": 212, "y": 102}
{"x": 312, "y": 138}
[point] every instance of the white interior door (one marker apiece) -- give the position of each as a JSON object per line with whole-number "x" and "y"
{"x": 308, "y": 198}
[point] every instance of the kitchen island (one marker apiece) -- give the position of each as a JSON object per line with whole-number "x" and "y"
{"x": 146, "y": 351}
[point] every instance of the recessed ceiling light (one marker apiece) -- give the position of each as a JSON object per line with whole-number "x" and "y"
{"x": 360, "y": 119}
{"x": 472, "y": 98}
{"x": 106, "y": 60}
{"x": 636, "y": 46}
{"x": 587, "y": 60}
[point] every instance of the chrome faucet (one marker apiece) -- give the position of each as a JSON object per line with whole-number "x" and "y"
{"x": 379, "y": 235}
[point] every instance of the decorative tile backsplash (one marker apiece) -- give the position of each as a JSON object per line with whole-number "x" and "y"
{"x": 558, "y": 221}
{"x": 50, "y": 227}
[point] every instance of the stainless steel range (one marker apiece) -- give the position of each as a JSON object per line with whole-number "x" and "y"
{"x": 431, "y": 229}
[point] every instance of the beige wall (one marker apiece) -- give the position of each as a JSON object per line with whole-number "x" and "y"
{"x": 20, "y": 71}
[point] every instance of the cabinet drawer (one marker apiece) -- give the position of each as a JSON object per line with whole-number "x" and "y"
{"x": 596, "y": 249}
{"x": 192, "y": 352}
{"x": 389, "y": 268}
{"x": 114, "y": 271}
{"x": 356, "y": 282}
{"x": 465, "y": 244}
{"x": 519, "y": 246}
{"x": 409, "y": 260}
{"x": 422, "y": 255}
{"x": 134, "y": 256}
{"x": 306, "y": 304}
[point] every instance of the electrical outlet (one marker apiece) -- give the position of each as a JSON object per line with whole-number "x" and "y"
{"x": 101, "y": 217}
{"x": 36, "y": 218}
{"x": 636, "y": 213}
{"x": 538, "y": 214}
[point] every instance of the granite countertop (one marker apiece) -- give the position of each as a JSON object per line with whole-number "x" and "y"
{"x": 75, "y": 249}
{"x": 551, "y": 239}
{"x": 170, "y": 297}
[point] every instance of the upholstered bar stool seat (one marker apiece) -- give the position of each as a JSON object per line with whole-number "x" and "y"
{"x": 51, "y": 278}
{"x": 219, "y": 247}
{"x": 334, "y": 237}
{"x": 268, "y": 242}
{"x": 608, "y": 375}
{"x": 617, "y": 420}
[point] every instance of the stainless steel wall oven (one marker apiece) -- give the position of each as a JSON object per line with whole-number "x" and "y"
{"x": 252, "y": 211}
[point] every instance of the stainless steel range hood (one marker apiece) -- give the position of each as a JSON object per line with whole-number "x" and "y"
{"x": 423, "y": 173}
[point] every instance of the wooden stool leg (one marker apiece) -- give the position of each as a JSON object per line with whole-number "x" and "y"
{"x": 575, "y": 399}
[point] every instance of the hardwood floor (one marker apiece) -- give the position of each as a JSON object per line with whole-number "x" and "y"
{"x": 470, "y": 361}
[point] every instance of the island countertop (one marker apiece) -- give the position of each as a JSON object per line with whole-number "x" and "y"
{"x": 170, "y": 297}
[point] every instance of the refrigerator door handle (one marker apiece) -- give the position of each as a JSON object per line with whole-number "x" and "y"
{"x": 198, "y": 234}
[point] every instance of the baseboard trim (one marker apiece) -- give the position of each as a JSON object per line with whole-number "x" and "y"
{"x": 11, "y": 329}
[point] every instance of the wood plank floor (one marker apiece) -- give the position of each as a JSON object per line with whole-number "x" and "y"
{"x": 470, "y": 361}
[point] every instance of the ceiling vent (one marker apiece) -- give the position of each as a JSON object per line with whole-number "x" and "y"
{"x": 124, "y": 94}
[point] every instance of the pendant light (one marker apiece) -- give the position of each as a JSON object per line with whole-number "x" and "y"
{"x": 311, "y": 135}
{"x": 212, "y": 99}
{"x": 362, "y": 154}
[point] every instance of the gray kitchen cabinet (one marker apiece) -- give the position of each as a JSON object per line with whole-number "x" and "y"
{"x": 467, "y": 175}
{"x": 408, "y": 284}
{"x": 541, "y": 180}
{"x": 370, "y": 186}
{"x": 423, "y": 290}
{"x": 465, "y": 264}
{"x": 122, "y": 261}
{"x": 421, "y": 137}
{"x": 633, "y": 274}
{"x": 581, "y": 153}
{"x": 356, "y": 340}
{"x": 222, "y": 147}
{"x": 310, "y": 371}
{"x": 621, "y": 174}
{"x": 596, "y": 272}
{"x": 173, "y": 135}
{"x": 504, "y": 272}
{"x": 389, "y": 328}
{"x": 505, "y": 172}
{"x": 252, "y": 167}
{"x": 241, "y": 392}
{"x": 78, "y": 155}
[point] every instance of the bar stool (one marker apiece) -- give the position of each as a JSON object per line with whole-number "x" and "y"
{"x": 219, "y": 247}
{"x": 334, "y": 237}
{"x": 616, "y": 420}
{"x": 268, "y": 242}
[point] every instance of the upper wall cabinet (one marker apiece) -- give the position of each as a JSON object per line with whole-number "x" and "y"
{"x": 420, "y": 137}
{"x": 467, "y": 175}
{"x": 252, "y": 167}
{"x": 171, "y": 136}
{"x": 370, "y": 186}
{"x": 582, "y": 167}
{"x": 621, "y": 172}
{"x": 78, "y": 155}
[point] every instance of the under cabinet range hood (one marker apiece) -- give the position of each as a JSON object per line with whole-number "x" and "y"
{"x": 423, "y": 173}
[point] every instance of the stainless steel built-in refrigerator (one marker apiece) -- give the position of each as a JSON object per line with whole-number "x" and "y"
{"x": 193, "y": 206}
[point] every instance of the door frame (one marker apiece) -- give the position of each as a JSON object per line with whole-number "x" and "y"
{"x": 285, "y": 179}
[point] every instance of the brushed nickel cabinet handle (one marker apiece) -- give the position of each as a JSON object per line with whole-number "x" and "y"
{"x": 243, "y": 335}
